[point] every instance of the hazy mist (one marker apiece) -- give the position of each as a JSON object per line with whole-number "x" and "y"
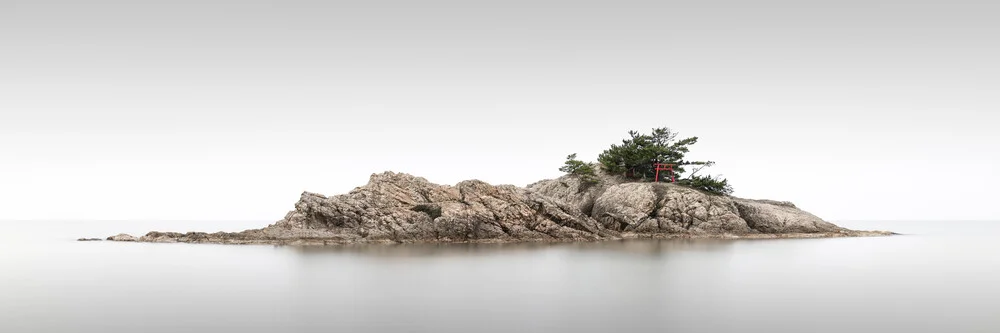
{"x": 230, "y": 109}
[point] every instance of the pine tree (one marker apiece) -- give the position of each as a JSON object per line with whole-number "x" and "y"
{"x": 586, "y": 171}
{"x": 635, "y": 157}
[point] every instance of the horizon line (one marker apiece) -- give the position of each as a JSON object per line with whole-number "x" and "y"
{"x": 262, "y": 220}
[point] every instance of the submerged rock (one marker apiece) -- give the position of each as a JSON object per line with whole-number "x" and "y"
{"x": 401, "y": 208}
{"x": 89, "y": 240}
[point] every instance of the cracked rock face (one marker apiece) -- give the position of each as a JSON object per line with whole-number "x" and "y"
{"x": 650, "y": 208}
{"x": 401, "y": 208}
{"x": 625, "y": 206}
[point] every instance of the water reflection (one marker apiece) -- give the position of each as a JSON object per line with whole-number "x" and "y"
{"x": 940, "y": 279}
{"x": 652, "y": 248}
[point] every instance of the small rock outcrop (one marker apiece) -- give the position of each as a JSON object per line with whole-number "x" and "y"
{"x": 401, "y": 208}
{"x": 123, "y": 238}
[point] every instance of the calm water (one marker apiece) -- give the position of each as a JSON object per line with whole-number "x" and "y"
{"x": 941, "y": 277}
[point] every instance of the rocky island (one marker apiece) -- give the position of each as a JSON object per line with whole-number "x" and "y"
{"x": 633, "y": 192}
{"x": 401, "y": 208}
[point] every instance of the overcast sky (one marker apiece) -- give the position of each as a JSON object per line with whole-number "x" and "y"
{"x": 210, "y": 109}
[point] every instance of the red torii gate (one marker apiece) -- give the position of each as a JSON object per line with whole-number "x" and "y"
{"x": 664, "y": 167}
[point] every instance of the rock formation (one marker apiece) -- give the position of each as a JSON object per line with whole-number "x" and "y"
{"x": 664, "y": 208}
{"x": 400, "y": 208}
{"x": 123, "y": 238}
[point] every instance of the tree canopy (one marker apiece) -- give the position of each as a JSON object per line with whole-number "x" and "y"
{"x": 586, "y": 171}
{"x": 635, "y": 157}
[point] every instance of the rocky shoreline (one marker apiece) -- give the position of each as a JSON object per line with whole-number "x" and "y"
{"x": 400, "y": 208}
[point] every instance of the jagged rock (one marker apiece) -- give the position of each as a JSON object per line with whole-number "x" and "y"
{"x": 574, "y": 191}
{"x": 401, "y": 208}
{"x": 780, "y": 217}
{"x": 123, "y": 238}
{"x": 674, "y": 209}
{"x": 625, "y": 207}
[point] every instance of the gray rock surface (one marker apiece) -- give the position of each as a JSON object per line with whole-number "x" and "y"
{"x": 652, "y": 208}
{"x": 123, "y": 238}
{"x": 401, "y": 208}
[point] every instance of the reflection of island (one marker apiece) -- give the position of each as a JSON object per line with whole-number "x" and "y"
{"x": 651, "y": 247}
{"x": 400, "y": 208}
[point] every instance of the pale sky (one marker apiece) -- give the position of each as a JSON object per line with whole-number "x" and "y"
{"x": 228, "y": 110}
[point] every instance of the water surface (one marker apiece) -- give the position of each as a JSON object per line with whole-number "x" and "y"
{"x": 940, "y": 277}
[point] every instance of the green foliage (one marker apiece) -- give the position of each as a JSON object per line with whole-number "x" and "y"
{"x": 719, "y": 186}
{"x": 634, "y": 158}
{"x": 586, "y": 171}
